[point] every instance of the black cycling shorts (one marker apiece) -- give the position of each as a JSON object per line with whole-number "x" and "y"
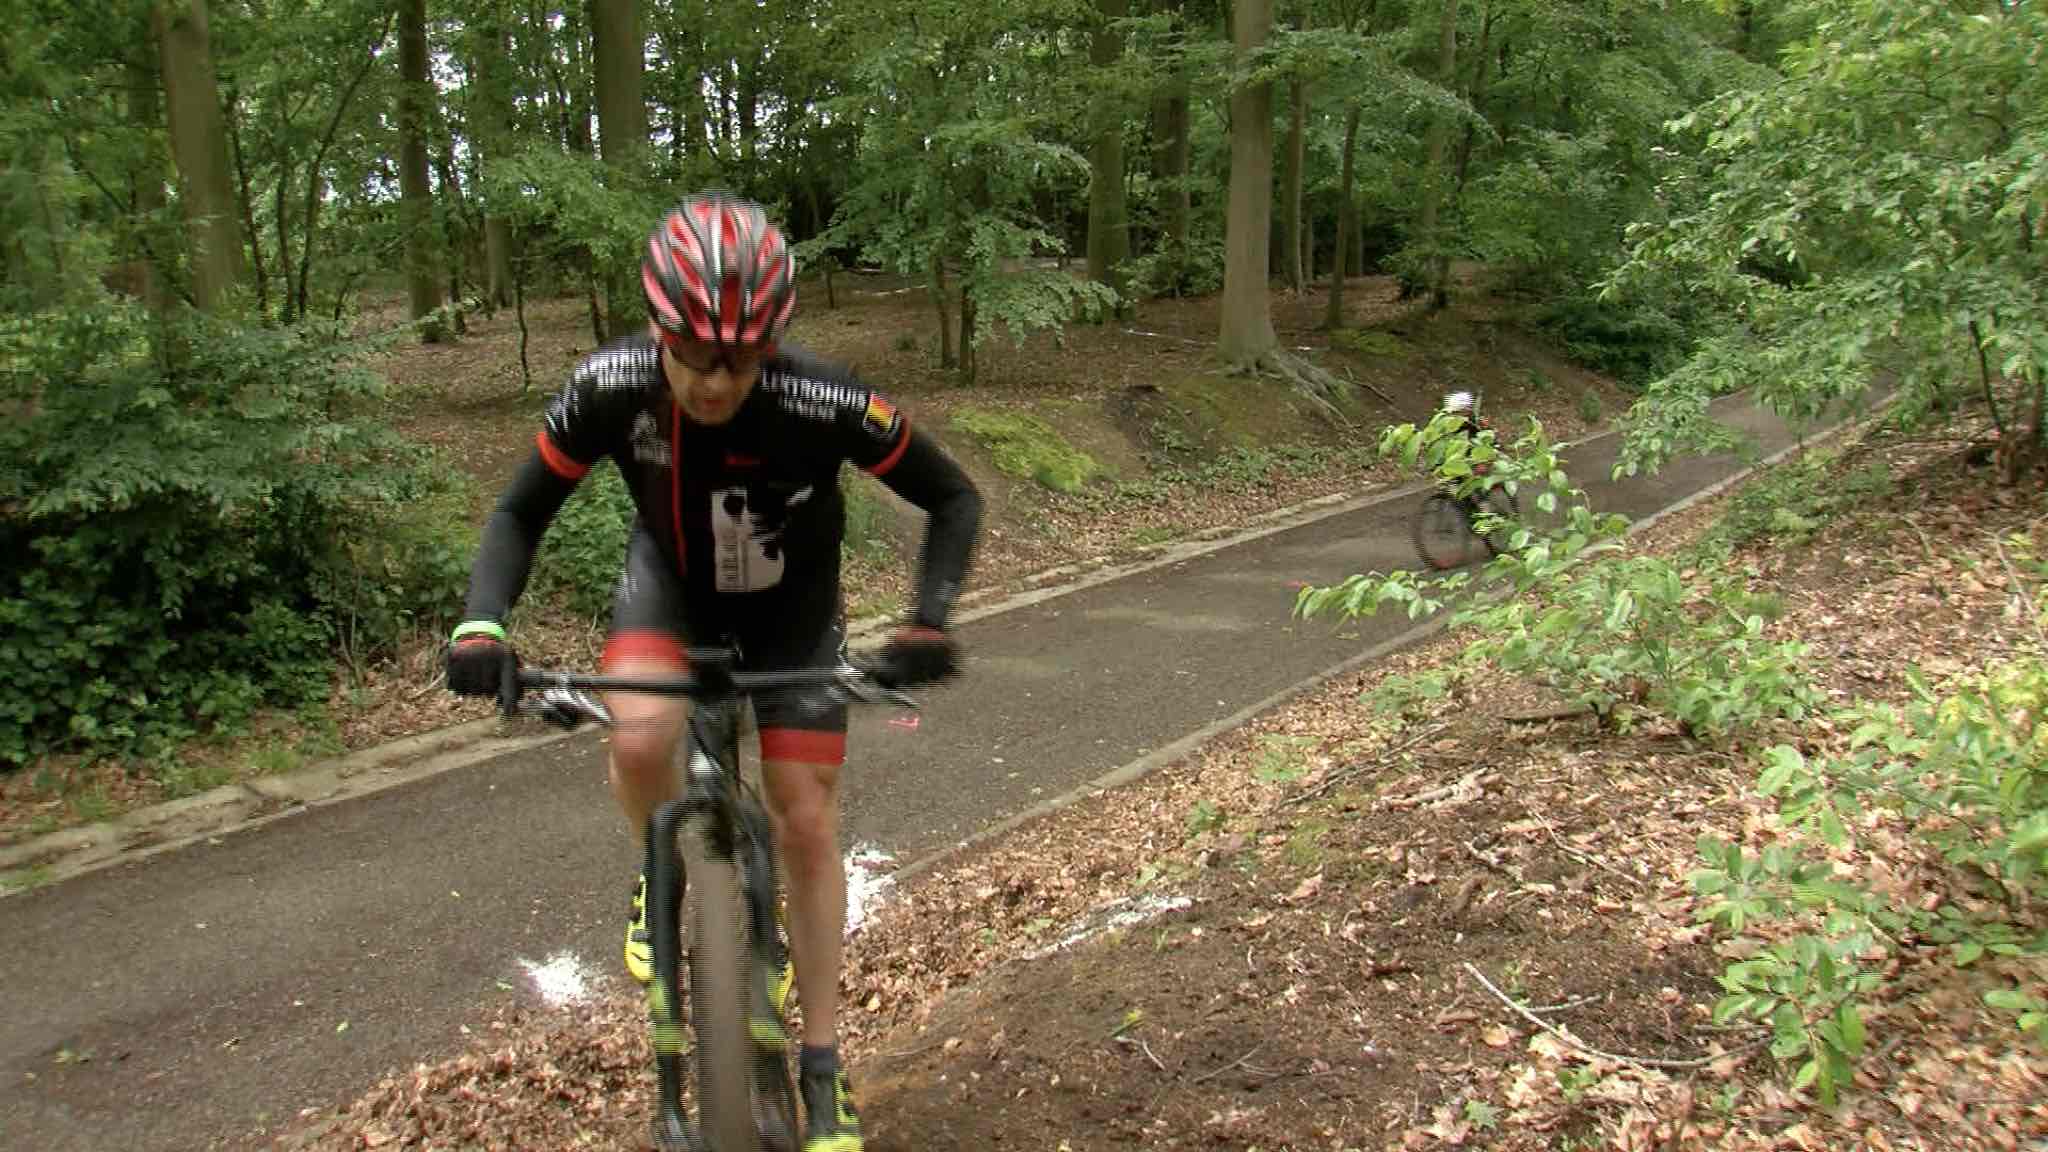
{"x": 652, "y": 621}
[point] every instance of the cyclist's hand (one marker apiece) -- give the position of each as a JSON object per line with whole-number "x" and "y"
{"x": 917, "y": 655}
{"x": 478, "y": 659}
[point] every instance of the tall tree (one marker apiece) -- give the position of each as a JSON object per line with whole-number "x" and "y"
{"x": 1246, "y": 334}
{"x": 146, "y": 173}
{"x": 1347, "y": 222}
{"x": 1429, "y": 221}
{"x": 416, "y": 194}
{"x": 1109, "y": 233}
{"x": 199, "y": 145}
{"x": 618, "y": 54}
{"x": 1170, "y": 160}
{"x": 1292, "y": 235}
{"x": 492, "y": 132}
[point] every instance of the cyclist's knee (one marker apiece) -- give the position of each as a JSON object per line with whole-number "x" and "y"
{"x": 803, "y": 794}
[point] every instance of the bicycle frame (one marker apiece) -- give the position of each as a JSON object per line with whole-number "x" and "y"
{"x": 716, "y": 824}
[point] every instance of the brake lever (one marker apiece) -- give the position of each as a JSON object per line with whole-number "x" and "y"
{"x": 565, "y": 708}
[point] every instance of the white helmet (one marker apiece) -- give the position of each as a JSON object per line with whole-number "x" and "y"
{"x": 1458, "y": 402}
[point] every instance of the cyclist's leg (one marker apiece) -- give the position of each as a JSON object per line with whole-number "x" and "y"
{"x": 803, "y": 744}
{"x": 646, "y": 640}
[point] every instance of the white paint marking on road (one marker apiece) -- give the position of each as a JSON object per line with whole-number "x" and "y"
{"x": 563, "y": 980}
{"x": 868, "y": 883}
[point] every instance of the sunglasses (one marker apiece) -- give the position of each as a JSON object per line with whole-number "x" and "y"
{"x": 700, "y": 356}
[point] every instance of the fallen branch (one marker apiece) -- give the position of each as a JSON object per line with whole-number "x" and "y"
{"x": 1156, "y": 1063}
{"x": 1227, "y": 1067}
{"x": 2019, "y": 591}
{"x": 1581, "y": 857}
{"x": 1582, "y": 1047}
{"x": 1574, "y": 1002}
{"x": 1476, "y": 778}
{"x": 1336, "y": 778}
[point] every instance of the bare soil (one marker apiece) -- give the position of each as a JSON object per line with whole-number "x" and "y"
{"x": 1307, "y": 906}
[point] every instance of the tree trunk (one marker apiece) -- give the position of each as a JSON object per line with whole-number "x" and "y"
{"x": 1427, "y": 227}
{"x": 199, "y": 145}
{"x": 1297, "y": 153}
{"x": 966, "y": 336}
{"x": 310, "y": 217}
{"x": 457, "y": 230}
{"x": 748, "y": 101}
{"x": 618, "y": 61}
{"x": 416, "y": 194}
{"x": 493, "y": 134}
{"x": 146, "y": 171}
{"x": 1170, "y": 164}
{"x": 1475, "y": 95}
{"x": 618, "y": 53}
{"x": 1109, "y": 233}
{"x": 1246, "y": 332}
{"x": 945, "y": 307}
{"x": 232, "y": 117}
{"x": 1347, "y": 224}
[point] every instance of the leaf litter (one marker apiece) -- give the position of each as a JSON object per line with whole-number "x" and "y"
{"x": 1299, "y": 977}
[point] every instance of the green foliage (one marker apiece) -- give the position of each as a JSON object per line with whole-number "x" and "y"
{"x": 1965, "y": 773}
{"x": 867, "y": 517}
{"x": 585, "y": 548}
{"x": 1573, "y": 612}
{"x": 1204, "y": 817}
{"x": 1024, "y": 446}
{"x": 1877, "y": 205}
{"x": 1794, "y": 500}
{"x": 1632, "y": 342}
{"x": 1590, "y": 409}
{"x": 193, "y": 504}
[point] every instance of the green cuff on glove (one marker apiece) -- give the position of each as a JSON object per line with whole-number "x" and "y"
{"x": 478, "y": 628}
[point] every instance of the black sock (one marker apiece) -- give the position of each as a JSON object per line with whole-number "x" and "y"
{"x": 818, "y": 1061}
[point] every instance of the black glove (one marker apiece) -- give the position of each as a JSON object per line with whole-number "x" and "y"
{"x": 917, "y": 655}
{"x": 480, "y": 663}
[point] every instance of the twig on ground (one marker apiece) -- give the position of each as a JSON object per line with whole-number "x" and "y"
{"x": 1574, "y": 1002}
{"x": 1164, "y": 336}
{"x": 1581, "y": 1046}
{"x": 1487, "y": 859}
{"x": 430, "y": 686}
{"x": 1574, "y": 853}
{"x": 2019, "y": 591}
{"x": 1156, "y": 1063}
{"x": 1336, "y": 778}
{"x": 1214, "y": 1072}
{"x": 1476, "y": 778}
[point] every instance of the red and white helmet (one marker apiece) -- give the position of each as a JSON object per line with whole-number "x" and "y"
{"x": 718, "y": 272}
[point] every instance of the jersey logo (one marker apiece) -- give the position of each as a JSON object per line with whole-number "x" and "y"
{"x": 880, "y": 417}
{"x": 648, "y": 446}
{"x": 738, "y": 460}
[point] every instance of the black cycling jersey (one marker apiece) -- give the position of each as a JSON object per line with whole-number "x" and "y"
{"x": 748, "y": 513}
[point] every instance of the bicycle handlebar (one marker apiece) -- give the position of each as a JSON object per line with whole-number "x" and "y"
{"x": 564, "y": 697}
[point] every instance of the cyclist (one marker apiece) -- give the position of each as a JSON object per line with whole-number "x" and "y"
{"x": 731, "y": 444}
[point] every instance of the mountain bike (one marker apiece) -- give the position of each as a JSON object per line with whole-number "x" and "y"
{"x": 712, "y": 848}
{"x": 1446, "y": 526}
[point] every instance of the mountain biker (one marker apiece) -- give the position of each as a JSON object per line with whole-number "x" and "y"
{"x": 731, "y": 444}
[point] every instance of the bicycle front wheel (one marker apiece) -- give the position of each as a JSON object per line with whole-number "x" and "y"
{"x": 1443, "y": 534}
{"x": 718, "y": 1008}
{"x": 1501, "y": 503}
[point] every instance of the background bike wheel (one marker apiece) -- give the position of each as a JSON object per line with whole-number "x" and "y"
{"x": 1442, "y": 537}
{"x": 1500, "y": 502}
{"x": 718, "y": 1008}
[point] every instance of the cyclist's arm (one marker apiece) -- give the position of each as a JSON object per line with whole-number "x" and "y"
{"x": 928, "y": 478}
{"x": 504, "y": 557}
{"x": 917, "y": 469}
{"x": 577, "y": 432}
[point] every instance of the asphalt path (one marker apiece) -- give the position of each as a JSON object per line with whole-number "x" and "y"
{"x": 200, "y": 997}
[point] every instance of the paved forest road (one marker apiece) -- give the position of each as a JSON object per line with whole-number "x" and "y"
{"x": 209, "y": 985}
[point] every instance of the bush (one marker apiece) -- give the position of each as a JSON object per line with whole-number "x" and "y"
{"x": 1633, "y": 343}
{"x": 195, "y": 526}
{"x": 1617, "y": 633}
{"x": 1965, "y": 774}
{"x": 1794, "y": 500}
{"x": 584, "y": 551}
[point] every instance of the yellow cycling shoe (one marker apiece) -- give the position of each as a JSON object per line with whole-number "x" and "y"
{"x": 640, "y": 945}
